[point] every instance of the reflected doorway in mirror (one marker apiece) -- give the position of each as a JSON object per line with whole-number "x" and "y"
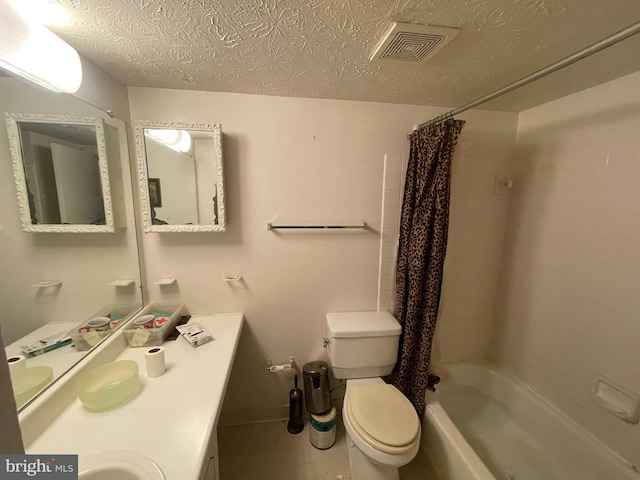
{"x": 155, "y": 193}
{"x": 61, "y": 173}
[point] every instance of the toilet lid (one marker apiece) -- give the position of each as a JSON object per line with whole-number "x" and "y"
{"x": 383, "y": 413}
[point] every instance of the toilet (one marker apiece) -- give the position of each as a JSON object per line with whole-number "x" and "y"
{"x": 383, "y": 428}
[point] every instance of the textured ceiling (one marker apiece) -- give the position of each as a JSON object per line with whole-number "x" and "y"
{"x": 321, "y": 48}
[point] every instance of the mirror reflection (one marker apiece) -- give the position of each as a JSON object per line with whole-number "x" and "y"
{"x": 53, "y": 284}
{"x": 181, "y": 176}
{"x": 59, "y": 166}
{"x": 62, "y": 173}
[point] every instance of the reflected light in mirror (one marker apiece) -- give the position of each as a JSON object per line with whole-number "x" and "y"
{"x": 30, "y": 50}
{"x": 178, "y": 140}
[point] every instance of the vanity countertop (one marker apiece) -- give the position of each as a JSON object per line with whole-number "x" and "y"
{"x": 172, "y": 416}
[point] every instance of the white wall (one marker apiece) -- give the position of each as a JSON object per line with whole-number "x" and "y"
{"x": 569, "y": 304}
{"x": 304, "y": 161}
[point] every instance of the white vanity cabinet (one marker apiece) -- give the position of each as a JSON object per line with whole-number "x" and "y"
{"x": 172, "y": 419}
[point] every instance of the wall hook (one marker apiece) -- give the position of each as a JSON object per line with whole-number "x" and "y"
{"x": 232, "y": 278}
{"x": 48, "y": 284}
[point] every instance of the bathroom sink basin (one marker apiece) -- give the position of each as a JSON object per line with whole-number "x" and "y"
{"x": 120, "y": 465}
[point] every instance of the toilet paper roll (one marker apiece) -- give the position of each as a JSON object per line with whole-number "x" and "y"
{"x": 16, "y": 363}
{"x": 154, "y": 358}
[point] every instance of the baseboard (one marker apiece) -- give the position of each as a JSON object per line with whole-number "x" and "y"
{"x": 242, "y": 416}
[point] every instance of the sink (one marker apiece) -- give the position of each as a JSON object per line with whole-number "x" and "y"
{"x": 118, "y": 465}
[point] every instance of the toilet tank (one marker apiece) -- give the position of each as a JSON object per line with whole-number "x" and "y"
{"x": 362, "y": 344}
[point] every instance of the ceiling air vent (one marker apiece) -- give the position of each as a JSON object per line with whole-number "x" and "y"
{"x": 411, "y": 42}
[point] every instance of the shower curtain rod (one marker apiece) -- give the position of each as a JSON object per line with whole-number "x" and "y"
{"x": 543, "y": 72}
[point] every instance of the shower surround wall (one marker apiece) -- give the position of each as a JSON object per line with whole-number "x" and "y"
{"x": 302, "y": 161}
{"x": 569, "y": 302}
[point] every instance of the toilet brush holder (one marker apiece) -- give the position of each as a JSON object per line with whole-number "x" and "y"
{"x": 295, "y": 424}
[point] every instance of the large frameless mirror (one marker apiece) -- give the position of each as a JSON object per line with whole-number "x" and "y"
{"x": 54, "y": 284}
{"x": 61, "y": 172}
{"x": 180, "y": 174}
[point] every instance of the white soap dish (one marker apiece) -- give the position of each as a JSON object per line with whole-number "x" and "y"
{"x": 619, "y": 401}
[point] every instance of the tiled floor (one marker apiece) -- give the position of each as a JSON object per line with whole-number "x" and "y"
{"x": 266, "y": 451}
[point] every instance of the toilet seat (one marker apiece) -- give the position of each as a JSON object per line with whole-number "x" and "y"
{"x": 383, "y": 417}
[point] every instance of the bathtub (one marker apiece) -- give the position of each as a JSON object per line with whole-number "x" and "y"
{"x": 484, "y": 425}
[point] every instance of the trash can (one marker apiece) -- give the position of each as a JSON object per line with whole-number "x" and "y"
{"x": 316, "y": 387}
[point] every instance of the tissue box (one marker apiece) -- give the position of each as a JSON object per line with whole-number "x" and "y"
{"x": 194, "y": 334}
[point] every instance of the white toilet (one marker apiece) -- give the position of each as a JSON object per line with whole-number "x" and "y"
{"x": 383, "y": 428}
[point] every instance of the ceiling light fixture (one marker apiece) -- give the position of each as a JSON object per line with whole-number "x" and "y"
{"x": 30, "y": 50}
{"x": 46, "y": 12}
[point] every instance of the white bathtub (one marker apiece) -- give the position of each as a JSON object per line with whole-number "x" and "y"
{"x": 485, "y": 425}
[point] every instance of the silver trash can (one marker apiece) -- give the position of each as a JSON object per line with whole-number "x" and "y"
{"x": 316, "y": 387}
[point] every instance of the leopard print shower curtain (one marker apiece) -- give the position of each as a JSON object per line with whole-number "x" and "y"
{"x": 422, "y": 246}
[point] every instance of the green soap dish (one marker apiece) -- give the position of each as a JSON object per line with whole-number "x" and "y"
{"x": 109, "y": 385}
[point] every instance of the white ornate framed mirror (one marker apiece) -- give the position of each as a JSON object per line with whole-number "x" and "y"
{"x": 61, "y": 173}
{"x": 180, "y": 175}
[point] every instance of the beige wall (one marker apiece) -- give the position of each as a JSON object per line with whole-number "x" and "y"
{"x": 303, "y": 161}
{"x": 569, "y": 304}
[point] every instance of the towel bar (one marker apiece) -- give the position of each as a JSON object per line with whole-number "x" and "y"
{"x": 271, "y": 226}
